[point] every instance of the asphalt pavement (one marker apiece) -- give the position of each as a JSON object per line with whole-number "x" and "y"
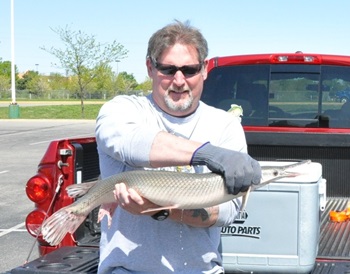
{"x": 22, "y": 145}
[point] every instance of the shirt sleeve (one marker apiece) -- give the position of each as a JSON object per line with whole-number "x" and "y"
{"x": 122, "y": 131}
{"x": 228, "y": 212}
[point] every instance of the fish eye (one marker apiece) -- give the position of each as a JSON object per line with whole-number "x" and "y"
{"x": 275, "y": 173}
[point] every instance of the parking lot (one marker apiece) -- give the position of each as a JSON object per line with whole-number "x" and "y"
{"x": 22, "y": 145}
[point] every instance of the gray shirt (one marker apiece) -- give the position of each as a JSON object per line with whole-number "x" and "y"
{"x": 126, "y": 127}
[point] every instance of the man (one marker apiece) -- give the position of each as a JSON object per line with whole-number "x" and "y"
{"x": 170, "y": 129}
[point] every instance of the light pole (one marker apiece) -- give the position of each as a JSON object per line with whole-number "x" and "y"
{"x": 37, "y": 68}
{"x": 14, "y": 107}
{"x": 117, "y": 67}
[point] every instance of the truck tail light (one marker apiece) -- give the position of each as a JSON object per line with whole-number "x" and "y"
{"x": 309, "y": 59}
{"x": 295, "y": 58}
{"x": 38, "y": 189}
{"x": 282, "y": 58}
{"x": 34, "y": 221}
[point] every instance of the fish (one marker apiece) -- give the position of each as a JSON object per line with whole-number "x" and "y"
{"x": 167, "y": 189}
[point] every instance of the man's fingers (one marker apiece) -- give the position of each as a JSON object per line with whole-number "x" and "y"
{"x": 121, "y": 194}
{"x": 135, "y": 196}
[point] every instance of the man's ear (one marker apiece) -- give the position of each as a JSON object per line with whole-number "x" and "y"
{"x": 149, "y": 66}
{"x": 205, "y": 69}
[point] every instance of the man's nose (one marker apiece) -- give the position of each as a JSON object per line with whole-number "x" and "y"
{"x": 179, "y": 78}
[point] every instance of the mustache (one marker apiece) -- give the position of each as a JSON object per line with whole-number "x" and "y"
{"x": 179, "y": 90}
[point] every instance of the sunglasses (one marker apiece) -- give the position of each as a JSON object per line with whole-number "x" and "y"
{"x": 170, "y": 70}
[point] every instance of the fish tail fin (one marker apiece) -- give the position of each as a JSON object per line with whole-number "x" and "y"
{"x": 78, "y": 190}
{"x": 55, "y": 228}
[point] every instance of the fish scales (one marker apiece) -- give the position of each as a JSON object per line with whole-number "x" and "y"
{"x": 183, "y": 190}
{"x": 164, "y": 188}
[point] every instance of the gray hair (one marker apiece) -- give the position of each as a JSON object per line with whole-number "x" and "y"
{"x": 172, "y": 34}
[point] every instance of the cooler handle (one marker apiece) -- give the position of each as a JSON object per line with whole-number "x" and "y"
{"x": 322, "y": 190}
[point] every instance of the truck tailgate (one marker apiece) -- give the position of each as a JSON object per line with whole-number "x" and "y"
{"x": 66, "y": 259}
{"x": 333, "y": 255}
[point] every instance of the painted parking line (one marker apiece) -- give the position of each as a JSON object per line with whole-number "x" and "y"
{"x": 66, "y": 137}
{"x": 39, "y": 143}
{"x": 16, "y": 228}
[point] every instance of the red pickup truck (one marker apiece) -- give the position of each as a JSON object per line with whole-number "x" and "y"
{"x": 290, "y": 112}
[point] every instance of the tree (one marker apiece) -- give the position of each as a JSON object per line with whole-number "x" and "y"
{"x": 5, "y": 76}
{"x": 38, "y": 85}
{"x": 5, "y": 68}
{"x": 5, "y": 84}
{"x": 104, "y": 83}
{"x": 58, "y": 81}
{"x": 23, "y": 83}
{"x": 145, "y": 86}
{"x": 84, "y": 57}
{"x": 126, "y": 82}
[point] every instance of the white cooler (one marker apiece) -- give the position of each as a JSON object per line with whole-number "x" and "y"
{"x": 279, "y": 230}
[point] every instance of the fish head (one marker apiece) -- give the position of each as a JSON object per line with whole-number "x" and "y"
{"x": 271, "y": 173}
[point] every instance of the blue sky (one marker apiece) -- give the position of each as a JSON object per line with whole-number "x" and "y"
{"x": 230, "y": 26}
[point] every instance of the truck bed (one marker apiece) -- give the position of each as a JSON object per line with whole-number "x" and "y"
{"x": 334, "y": 245}
{"x": 333, "y": 255}
{"x": 334, "y": 241}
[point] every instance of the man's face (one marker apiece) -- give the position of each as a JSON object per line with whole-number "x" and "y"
{"x": 177, "y": 94}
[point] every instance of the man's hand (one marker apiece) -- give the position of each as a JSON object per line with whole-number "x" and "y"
{"x": 239, "y": 169}
{"x": 131, "y": 201}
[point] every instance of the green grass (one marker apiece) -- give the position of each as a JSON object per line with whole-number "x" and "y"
{"x": 54, "y": 112}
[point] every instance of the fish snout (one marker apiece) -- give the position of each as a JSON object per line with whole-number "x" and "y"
{"x": 291, "y": 173}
